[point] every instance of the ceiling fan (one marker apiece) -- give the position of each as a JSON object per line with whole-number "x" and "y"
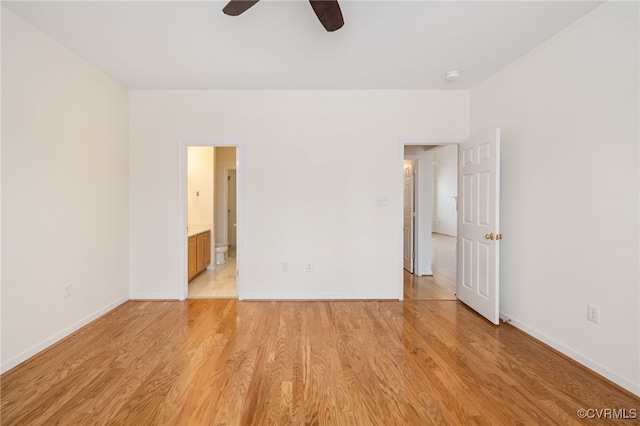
{"x": 327, "y": 11}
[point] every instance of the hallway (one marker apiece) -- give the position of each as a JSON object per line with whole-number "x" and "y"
{"x": 442, "y": 285}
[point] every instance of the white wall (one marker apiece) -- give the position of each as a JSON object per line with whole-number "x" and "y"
{"x": 312, "y": 163}
{"x": 445, "y": 187}
{"x": 570, "y": 191}
{"x": 200, "y": 190}
{"x": 64, "y": 192}
{"x": 200, "y": 179}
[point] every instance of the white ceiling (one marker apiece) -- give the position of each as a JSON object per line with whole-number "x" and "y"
{"x": 281, "y": 45}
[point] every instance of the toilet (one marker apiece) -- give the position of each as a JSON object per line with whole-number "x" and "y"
{"x": 221, "y": 253}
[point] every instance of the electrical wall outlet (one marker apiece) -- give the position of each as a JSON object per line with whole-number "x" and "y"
{"x": 285, "y": 267}
{"x": 593, "y": 313}
{"x": 66, "y": 290}
{"x": 309, "y": 267}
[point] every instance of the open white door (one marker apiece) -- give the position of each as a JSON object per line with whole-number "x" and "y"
{"x": 479, "y": 225}
{"x": 408, "y": 215}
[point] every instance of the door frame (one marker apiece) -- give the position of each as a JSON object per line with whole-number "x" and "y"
{"x": 414, "y": 240}
{"x": 225, "y": 200}
{"x": 400, "y": 192}
{"x": 183, "y": 282}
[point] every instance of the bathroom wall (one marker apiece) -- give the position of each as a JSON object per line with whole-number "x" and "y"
{"x": 225, "y": 159}
{"x": 200, "y": 185}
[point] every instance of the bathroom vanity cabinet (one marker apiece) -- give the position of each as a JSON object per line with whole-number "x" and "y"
{"x": 199, "y": 253}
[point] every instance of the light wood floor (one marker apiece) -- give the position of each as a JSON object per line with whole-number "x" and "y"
{"x": 442, "y": 285}
{"x": 227, "y": 362}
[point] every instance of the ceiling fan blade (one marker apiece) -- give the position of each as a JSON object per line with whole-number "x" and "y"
{"x": 329, "y": 13}
{"x": 236, "y": 7}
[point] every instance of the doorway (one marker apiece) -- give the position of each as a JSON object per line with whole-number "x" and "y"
{"x": 211, "y": 188}
{"x": 433, "y": 239}
{"x": 231, "y": 211}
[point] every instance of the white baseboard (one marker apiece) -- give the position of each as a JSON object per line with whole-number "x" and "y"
{"x": 624, "y": 382}
{"x": 154, "y": 296}
{"x": 318, "y": 296}
{"x": 39, "y": 347}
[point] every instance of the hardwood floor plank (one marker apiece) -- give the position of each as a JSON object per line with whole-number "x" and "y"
{"x": 226, "y": 362}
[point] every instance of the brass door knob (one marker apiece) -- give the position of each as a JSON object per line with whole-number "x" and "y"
{"x": 489, "y": 236}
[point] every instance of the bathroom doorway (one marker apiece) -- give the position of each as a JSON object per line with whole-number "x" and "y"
{"x": 211, "y": 205}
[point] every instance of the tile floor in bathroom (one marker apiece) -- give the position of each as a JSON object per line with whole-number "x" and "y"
{"x": 219, "y": 283}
